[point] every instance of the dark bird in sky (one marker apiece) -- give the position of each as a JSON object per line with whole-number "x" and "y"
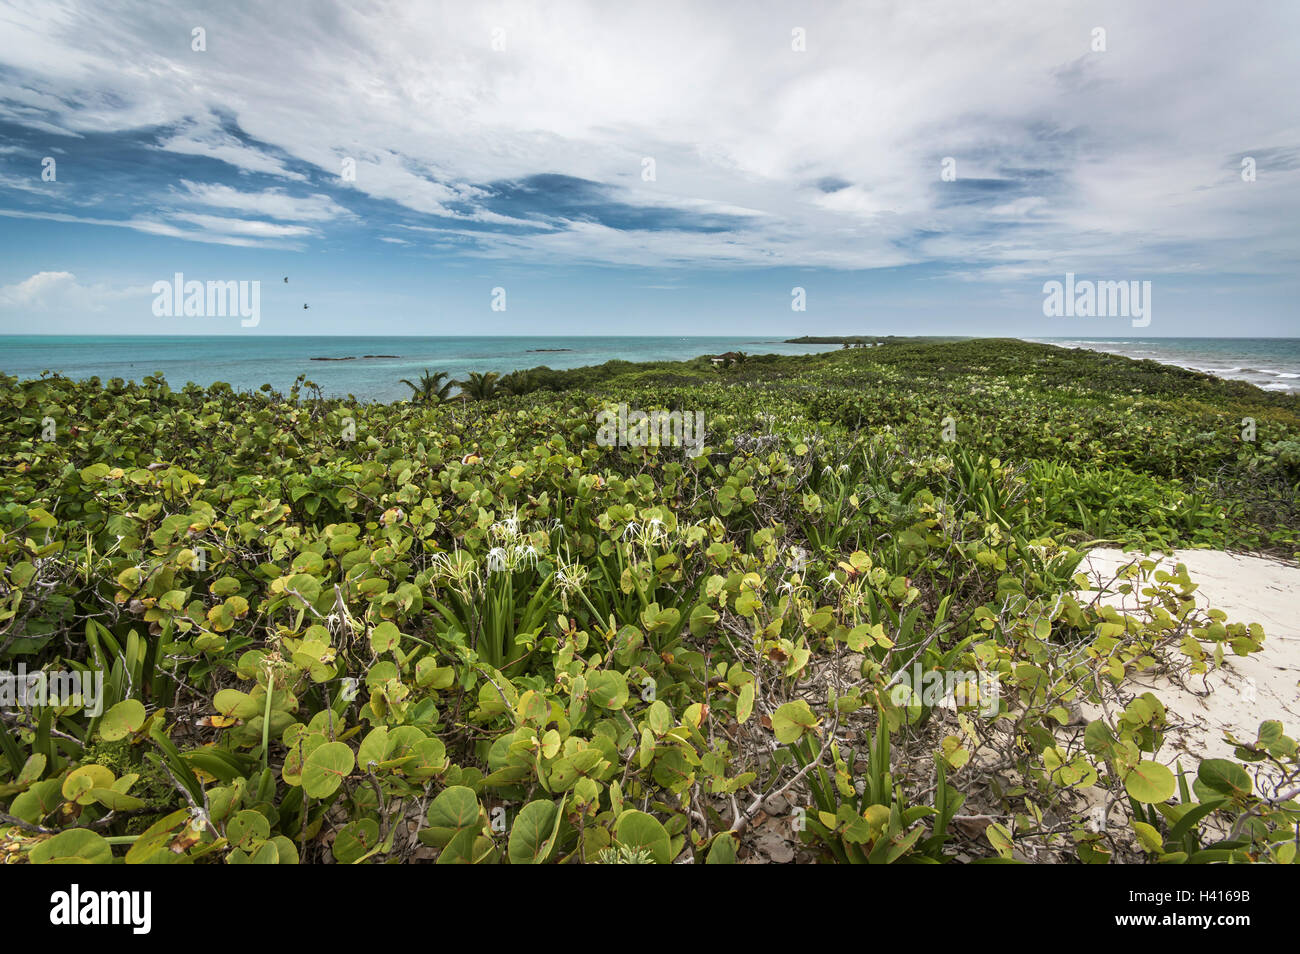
{"x": 304, "y": 307}
{"x": 286, "y": 279}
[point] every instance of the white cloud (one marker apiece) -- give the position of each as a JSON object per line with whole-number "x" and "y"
{"x": 1114, "y": 159}
{"x": 253, "y": 227}
{"x": 59, "y": 291}
{"x": 151, "y": 227}
{"x": 204, "y": 138}
{"x": 30, "y": 184}
{"x": 273, "y": 203}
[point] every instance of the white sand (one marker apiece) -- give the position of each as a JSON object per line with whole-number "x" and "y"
{"x": 1248, "y": 689}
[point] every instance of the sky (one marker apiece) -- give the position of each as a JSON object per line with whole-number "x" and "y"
{"x": 668, "y": 168}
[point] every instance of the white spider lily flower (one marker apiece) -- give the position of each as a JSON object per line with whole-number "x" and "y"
{"x": 458, "y": 570}
{"x": 655, "y": 530}
{"x": 443, "y": 564}
{"x": 506, "y": 529}
{"x": 570, "y": 575}
{"x": 525, "y": 555}
{"x": 569, "y": 578}
{"x": 454, "y": 568}
{"x": 828, "y": 579}
{"x": 496, "y": 560}
{"x": 631, "y": 529}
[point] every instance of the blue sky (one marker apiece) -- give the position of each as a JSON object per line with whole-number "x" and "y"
{"x": 505, "y": 145}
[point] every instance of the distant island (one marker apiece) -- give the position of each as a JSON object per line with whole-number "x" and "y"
{"x": 866, "y": 341}
{"x": 859, "y": 340}
{"x": 353, "y": 357}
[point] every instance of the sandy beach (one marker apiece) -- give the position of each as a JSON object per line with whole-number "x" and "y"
{"x": 1247, "y": 690}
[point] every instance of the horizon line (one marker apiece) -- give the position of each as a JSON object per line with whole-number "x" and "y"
{"x": 775, "y": 338}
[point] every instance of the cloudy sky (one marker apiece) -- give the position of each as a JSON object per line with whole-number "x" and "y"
{"x": 657, "y": 168}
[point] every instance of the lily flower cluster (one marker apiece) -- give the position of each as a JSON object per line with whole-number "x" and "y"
{"x": 512, "y": 550}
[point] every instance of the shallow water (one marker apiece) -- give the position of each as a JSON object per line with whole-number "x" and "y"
{"x": 248, "y": 362}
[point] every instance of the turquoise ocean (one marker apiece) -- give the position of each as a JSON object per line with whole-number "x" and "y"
{"x": 1269, "y": 363}
{"x": 375, "y": 365}
{"x": 246, "y": 363}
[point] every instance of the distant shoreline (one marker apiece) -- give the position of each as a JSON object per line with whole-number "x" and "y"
{"x": 368, "y": 367}
{"x": 374, "y": 365}
{"x": 839, "y": 339}
{"x": 1271, "y": 364}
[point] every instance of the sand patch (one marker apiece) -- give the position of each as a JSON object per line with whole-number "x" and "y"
{"x": 1247, "y": 690}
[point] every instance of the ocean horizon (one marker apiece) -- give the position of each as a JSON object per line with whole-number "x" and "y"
{"x": 370, "y": 368}
{"x": 1272, "y": 364}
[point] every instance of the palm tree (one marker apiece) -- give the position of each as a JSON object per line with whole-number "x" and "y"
{"x": 478, "y": 386}
{"x": 518, "y": 382}
{"x": 432, "y": 389}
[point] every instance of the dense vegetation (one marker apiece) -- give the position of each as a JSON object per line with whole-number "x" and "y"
{"x": 459, "y": 628}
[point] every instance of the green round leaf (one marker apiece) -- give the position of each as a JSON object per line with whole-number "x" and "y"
{"x": 285, "y": 849}
{"x": 723, "y": 850}
{"x": 455, "y": 807}
{"x": 78, "y": 784}
{"x": 121, "y": 720}
{"x": 384, "y": 638}
{"x": 247, "y": 828}
{"x": 374, "y": 748}
{"x": 636, "y": 829}
{"x": 326, "y": 768}
{"x": 1148, "y": 837}
{"x": 355, "y": 839}
{"x": 533, "y": 834}
{"x": 265, "y": 854}
{"x": 454, "y": 819}
{"x": 1227, "y": 778}
{"x": 792, "y": 720}
{"x": 745, "y": 703}
{"x": 299, "y": 750}
{"x": 430, "y": 759}
{"x": 659, "y": 717}
{"x": 608, "y": 689}
{"x": 77, "y": 846}
{"x": 1150, "y": 782}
